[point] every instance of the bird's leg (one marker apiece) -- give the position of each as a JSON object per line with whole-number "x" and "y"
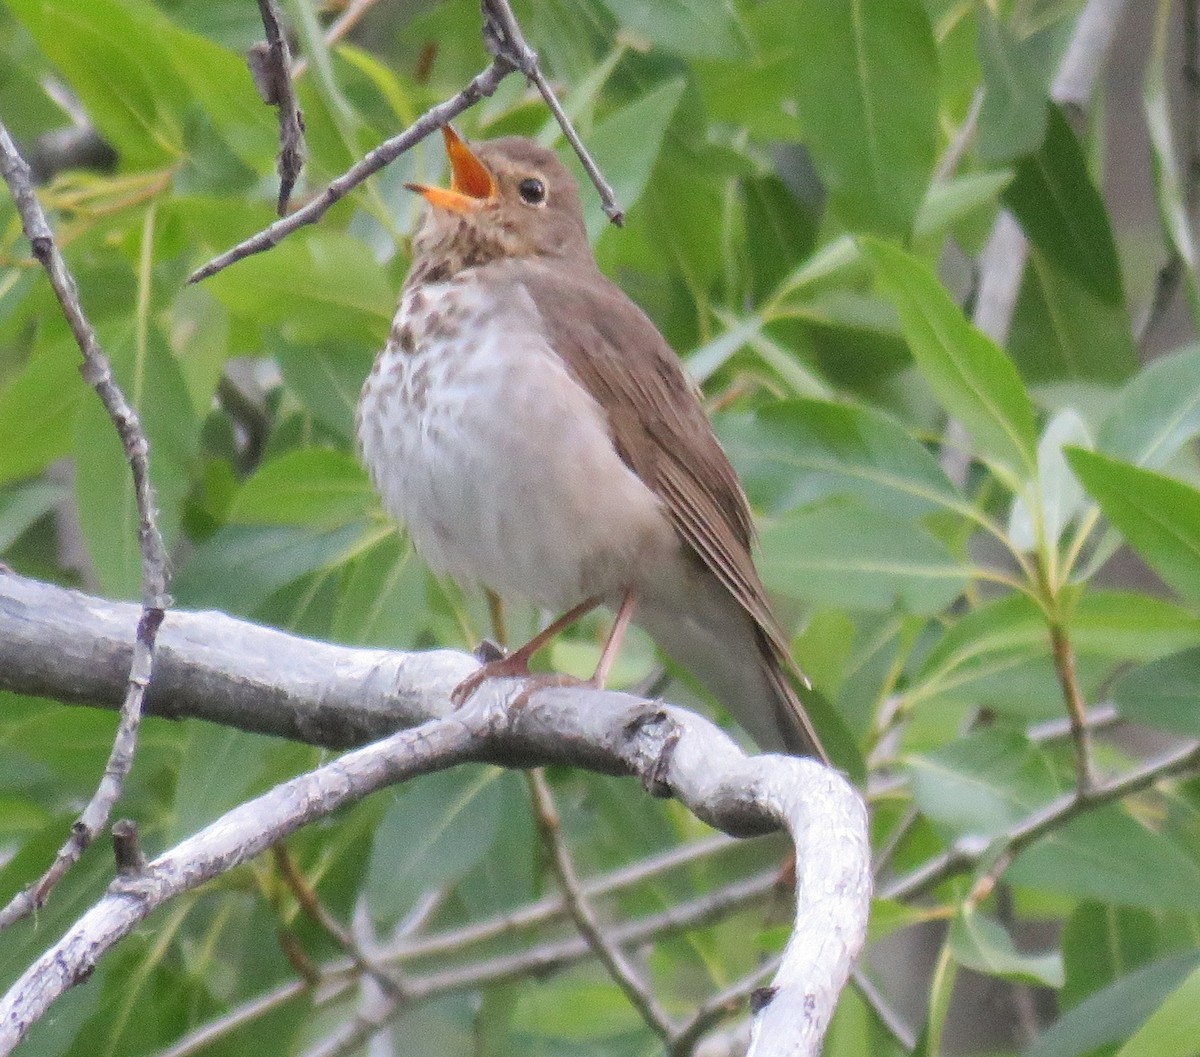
{"x": 496, "y": 612}
{"x": 517, "y": 662}
{"x": 615, "y": 637}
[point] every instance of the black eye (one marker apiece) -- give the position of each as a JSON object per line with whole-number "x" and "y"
{"x": 532, "y": 191}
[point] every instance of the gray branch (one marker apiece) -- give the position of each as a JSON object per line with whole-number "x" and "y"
{"x": 65, "y": 644}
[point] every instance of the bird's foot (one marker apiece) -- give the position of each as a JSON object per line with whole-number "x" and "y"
{"x": 512, "y": 666}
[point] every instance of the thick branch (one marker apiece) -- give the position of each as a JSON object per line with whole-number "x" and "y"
{"x": 672, "y": 752}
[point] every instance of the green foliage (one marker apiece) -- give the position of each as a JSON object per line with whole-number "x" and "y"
{"x": 937, "y": 504}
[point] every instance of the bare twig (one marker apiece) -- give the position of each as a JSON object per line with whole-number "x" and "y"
{"x": 97, "y": 372}
{"x": 1064, "y": 666}
{"x": 482, "y": 85}
{"x": 271, "y": 66}
{"x": 608, "y": 953}
{"x": 891, "y": 1021}
{"x": 503, "y": 37}
{"x": 968, "y": 854}
{"x": 724, "y": 1003}
{"x": 392, "y": 983}
{"x": 506, "y": 42}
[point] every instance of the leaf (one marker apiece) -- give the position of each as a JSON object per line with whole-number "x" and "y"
{"x": 130, "y": 91}
{"x": 1062, "y": 331}
{"x": 1106, "y": 855}
{"x": 853, "y": 556}
{"x": 37, "y": 412}
{"x": 1056, "y": 498}
{"x": 241, "y": 566}
{"x": 383, "y": 601}
{"x": 1012, "y": 118}
{"x": 437, "y": 829}
{"x": 982, "y": 784}
{"x": 1173, "y": 1030}
{"x": 1156, "y": 413}
{"x": 626, "y": 146}
{"x": 981, "y": 943}
{"x": 968, "y": 373}
{"x": 874, "y": 146}
{"x": 327, "y": 379}
{"x": 795, "y": 452}
{"x": 1063, "y": 214}
{"x": 316, "y": 285}
{"x": 154, "y": 386}
{"x": 1103, "y": 943}
{"x": 1113, "y": 1014}
{"x": 306, "y": 486}
{"x": 1159, "y": 516}
{"x": 696, "y": 28}
{"x": 1164, "y": 693}
{"x": 23, "y": 506}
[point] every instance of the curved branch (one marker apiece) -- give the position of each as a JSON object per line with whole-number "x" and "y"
{"x": 236, "y": 672}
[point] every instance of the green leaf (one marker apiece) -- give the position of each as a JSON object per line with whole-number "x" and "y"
{"x": 1164, "y": 693}
{"x": 981, "y": 943}
{"x": 1159, "y": 516}
{"x": 795, "y": 452}
{"x": 968, "y": 373}
{"x": 37, "y": 412}
{"x": 1112, "y": 1015}
{"x": 437, "y": 829}
{"x": 982, "y": 784}
{"x": 383, "y": 600}
{"x": 327, "y": 379}
{"x": 316, "y": 285}
{"x": 1063, "y": 214}
{"x": 874, "y": 146}
{"x": 1056, "y": 497}
{"x": 853, "y": 556}
{"x": 154, "y": 386}
{"x": 307, "y": 486}
{"x": 626, "y": 146}
{"x": 1150, "y": 870}
{"x": 1173, "y": 1030}
{"x": 1062, "y": 331}
{"x": 1103, "y": 943}
{"x": 129, "y": 90}
{"x": 1012, "y": 118}
{"x": 23, "y": 506}
{"x": 1156, "y": 413}
{"x": 702, "y": 29}
{"x": 241, "y": 566}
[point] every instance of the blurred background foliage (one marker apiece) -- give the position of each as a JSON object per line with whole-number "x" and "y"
{"x": 936, "y": 508}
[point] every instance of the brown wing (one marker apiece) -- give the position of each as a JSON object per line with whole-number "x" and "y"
{"x": 661, "y": 431}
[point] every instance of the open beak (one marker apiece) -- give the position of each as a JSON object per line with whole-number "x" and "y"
{"x": 471, "y": 185}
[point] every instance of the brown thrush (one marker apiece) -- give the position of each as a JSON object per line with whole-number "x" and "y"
{"x": 537, "y": 435}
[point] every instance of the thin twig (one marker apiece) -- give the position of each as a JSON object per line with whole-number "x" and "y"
{"x": 556, "y": 954}
{"x": 480, "y": 86}
{"x": 611, "y": 956}
{"x": 967, "y": 854}
{"x": 1064, "y": 667}
{"x": 272, "y": 69}
{"x": 391, "y": 982}
{"x": 889, "y": 1019}
{"x": 503, "y": 37}
{"x": 724, "y": 1003}
{"x": 97, "y": 372}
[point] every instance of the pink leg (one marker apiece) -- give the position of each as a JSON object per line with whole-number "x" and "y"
{"x": 615, "y": 638}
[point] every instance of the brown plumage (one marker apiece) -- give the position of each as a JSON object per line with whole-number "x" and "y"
{"x": 583, "y": 465}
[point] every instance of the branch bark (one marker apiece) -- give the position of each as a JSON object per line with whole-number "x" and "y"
{"x": 259, "y": 679}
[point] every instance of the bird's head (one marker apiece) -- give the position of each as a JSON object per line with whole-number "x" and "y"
{"x": 507, "y": 198}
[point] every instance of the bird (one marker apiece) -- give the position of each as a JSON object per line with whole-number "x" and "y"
{"x": 536, "y": 434}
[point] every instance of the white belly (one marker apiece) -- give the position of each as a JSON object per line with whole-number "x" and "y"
{"x": 497, "y": 461}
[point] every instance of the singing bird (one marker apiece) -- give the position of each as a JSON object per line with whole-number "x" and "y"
{"x": 538, "y": 436}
